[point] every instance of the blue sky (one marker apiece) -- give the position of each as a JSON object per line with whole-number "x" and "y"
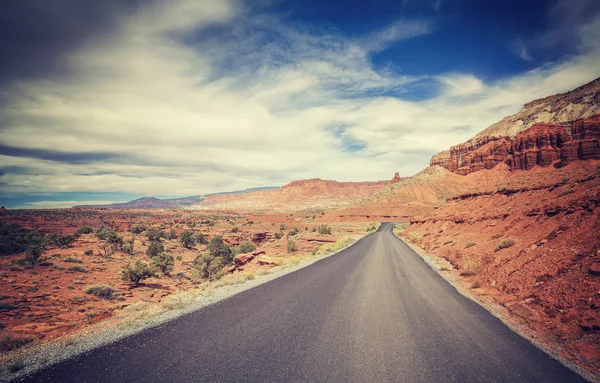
{"x": 121, "y": 99}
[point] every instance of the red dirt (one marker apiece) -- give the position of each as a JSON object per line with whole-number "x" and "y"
{"x": 548, "y": 278}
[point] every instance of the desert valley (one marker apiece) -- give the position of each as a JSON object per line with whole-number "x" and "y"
{"x": 511, "y": 217}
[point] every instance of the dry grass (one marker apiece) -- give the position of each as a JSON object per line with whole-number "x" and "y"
{"x": 470, "y": 266}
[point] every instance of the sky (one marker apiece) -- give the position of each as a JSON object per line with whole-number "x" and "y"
{"x": 110, "y": 101}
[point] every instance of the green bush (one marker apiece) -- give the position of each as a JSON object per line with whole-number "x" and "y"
{"x": 235, "y": 229}
{"x": 505, "y": 244}
{"x": 201, "y": 239}
{"x": 71, "y": 259}
{"x": 154, "y": 234}
{"x": 324, "y": 229}
{"x": 89, "y": 252}
{"x": 218, "y": 248}
{"x": 291, "y": 246}
{"x": 246, "y": 247}
{"x": 172, "y": 234}
{"x": 101, "y": 291}
{"x": 84, "y": 230}
{"x": 137, "y": 273}
{"x": 294, "y": 231}
{"x": 278, "y": 234}
{"x": 163, "y": 263}
{"x": 15, "y": 239}
{"x": 187, "y": 239}
{"x": 32, "y": 254}
{"x": 138, "y": 229}
{"x": 154, "y": 249}
{"x": 209, "y": 267}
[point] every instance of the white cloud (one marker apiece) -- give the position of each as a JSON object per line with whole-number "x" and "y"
{"x": 237, "y": 109}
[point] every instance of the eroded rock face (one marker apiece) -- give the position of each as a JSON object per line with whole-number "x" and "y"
{"x": 543, "y": 144}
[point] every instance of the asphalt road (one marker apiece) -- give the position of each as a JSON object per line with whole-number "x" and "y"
{"x": 373, "y": 313}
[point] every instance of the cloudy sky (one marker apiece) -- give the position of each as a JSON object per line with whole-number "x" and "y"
{"x": 113, "y": 100}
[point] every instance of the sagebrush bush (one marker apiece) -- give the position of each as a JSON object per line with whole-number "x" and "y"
{"x": 246, "y": 247}
{"x": 291, "y": 246}
{"x": 137, "y": 273}
{"x": 73, "y": 260}
{"x": 163, "y": 263}
{"x": 469, "y": 266}
{"x": 154, "y": 249}
{"x": 505, "y": 244}
{"x": 324, "y": 229}
{"x": 101, "y": 291}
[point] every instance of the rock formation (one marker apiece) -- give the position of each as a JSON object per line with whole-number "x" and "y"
{"x": 560, "y": 122}
{"x": 543, "y": 144}
{"x": 396, "y": 178}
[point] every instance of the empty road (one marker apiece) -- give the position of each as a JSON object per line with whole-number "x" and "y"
{"x": 373, "y": 313}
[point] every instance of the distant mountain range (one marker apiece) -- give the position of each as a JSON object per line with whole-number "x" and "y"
{"x": 167, "y": 203}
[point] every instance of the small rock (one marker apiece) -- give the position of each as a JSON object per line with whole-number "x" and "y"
{"x": 594, "y": 269}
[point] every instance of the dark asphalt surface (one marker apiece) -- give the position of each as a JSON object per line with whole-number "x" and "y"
{"x": 373, "y": 313}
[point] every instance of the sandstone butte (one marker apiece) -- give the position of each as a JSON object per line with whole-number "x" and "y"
{"x": 565, "y": 129}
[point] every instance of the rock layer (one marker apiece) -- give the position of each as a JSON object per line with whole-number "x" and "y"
{"x": 543, "y": 144}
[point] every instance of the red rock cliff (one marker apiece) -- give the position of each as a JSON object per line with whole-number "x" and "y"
{"x": 543, "y": 144}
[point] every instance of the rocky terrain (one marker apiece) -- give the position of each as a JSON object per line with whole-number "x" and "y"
{"x": 305, "y": 195}
{"x": 530, "y": 242}
{"x": 51, "y": 299}
{"x": 543, "y": 144}
{"x": 557, "y": 110}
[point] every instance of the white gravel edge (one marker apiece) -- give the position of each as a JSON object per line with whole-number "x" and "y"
{"x": 498, "y": 310}
{"x": 42, "y": 356}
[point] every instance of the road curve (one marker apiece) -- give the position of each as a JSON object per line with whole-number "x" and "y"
{"x": 372, "y": 313}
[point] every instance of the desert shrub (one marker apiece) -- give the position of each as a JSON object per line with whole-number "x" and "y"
{"x": 172, "y": 234}
{"x": 291, "y": 246}
{"x": 60, "y": 240}
{"x": 249, "y": 276}
{"x": 101, "y": 291}
{"x": 154, "y": 234}
{"x": 15, "y": 239}
{"x": 128, "y": 247}
{"x": 566, "y": 192}
{"x": 246, "y": 247}
{"x": 278, "y": 234}
{"x": 9, "y": 343}
{"x": 324, "y": 229}
{"x": 250, "y": 222}
{"x": 32, "y": 254}
{"x": 112, "y": 241}
{"x": 342, "y": 243}
{"x": 137, "y": 273}
{"x": 201, "y": 238}
{"x": 89, "y": 252}
{"x": 282, "y": 227}
{"x": 476, "y": 285}
{"x": 504, "y": 244}
{"x": 294, "y": 231}
{"x": 235, "y": 229}
{"x": 7, "y": 306}
{"x": 77, "y": 268}
{"x": 399, "y": 228}
{"x": 154, "y": 249}
{"x": 163, "y": 263}
{"x": 187, "y": 239}
{"x": 415, "y": 237}
{"x": 73, "y": 260}
{"x": 220, "y": 249}
{"x": 470, "y": 244}
{"x": 84, "y": 230}
{"x": 139, "y": 228}
{"x": 469, "y": 267}
{"x": 208, "y": 266}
